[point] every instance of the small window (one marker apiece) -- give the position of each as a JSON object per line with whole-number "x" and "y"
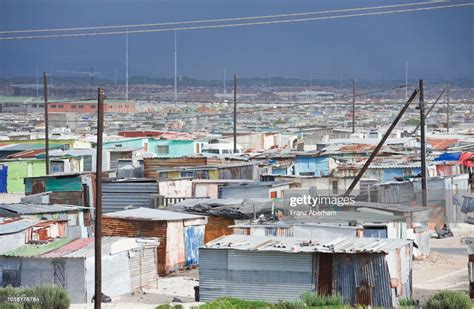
{"x": 81, "y": 106}
{"x": 73, "y": 106}
{"x": 187, "y": 174}
{"x": 334, "y": 187}
{"x": 53, "y": 106}
{"x": 162, "y": 149}
{"x": 118, "y": 145}
{"x": 93, "y": 106}
{"x": 34, "y": 105}
{"x": 41, "y": 105}
{"x": 60, "y": 106}
{"x": 11, "y": 277}
{"x": 306, "y": 173}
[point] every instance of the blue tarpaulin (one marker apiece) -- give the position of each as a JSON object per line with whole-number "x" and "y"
{"x": 449, "y": 156}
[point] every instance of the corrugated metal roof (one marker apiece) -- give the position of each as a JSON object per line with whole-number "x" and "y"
{"x": 35, "y": 250}
{"x": 107, "y": 243}
{"x": 24, "y": 209}
{"x": 294, "y": 245}
{"x": 16, "y": 226}
{"x": 151, "y": 214}
{"x": 69, "y": 248}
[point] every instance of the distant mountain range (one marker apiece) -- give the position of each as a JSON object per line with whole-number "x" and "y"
{"x": 247, "y": 82}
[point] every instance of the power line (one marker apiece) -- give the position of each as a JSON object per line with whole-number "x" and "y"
{"x": 215, "y": 20}
{"x": 221, "y": 26}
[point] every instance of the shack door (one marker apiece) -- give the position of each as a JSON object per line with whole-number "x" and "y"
{"x": 325, "y": 274}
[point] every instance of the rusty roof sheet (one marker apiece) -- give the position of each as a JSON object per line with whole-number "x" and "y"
{"x": 441, "y": 143}
{"x": 295, "y": 245}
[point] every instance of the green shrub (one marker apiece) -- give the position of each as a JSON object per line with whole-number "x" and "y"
{"x": 313, "y": 300}
{"x": 406, "y": 302}
{"x": 40, "y": 297}
{"x": 449, "y": 300}
{"x": 289, "y": 305}
{"x": 234, "y": 303}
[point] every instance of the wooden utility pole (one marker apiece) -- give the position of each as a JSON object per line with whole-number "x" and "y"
{"x": 235, "y": 113}
{"x": 423, "y": 146}
{"x": 353, "y": 105}
{"x": 447, "y": 106}
{"x": 98, "y": 202}
{"x": 46, "y": 121}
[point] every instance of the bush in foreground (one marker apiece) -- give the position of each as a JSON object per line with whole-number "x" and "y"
{"x": 34, "y": 298}
{"x": 449, "y": 300}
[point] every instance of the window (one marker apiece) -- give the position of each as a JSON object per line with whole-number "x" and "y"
{"x": 187, "y": 174}
{"x": 73, "y": 105}
{"x": 81, "y": 106}
{"x": 211, "y": 151}
{"x": 334, "y": 187}
{"x": 162, "y": 149}
{"x": 53, "y": 106}
{"x": 34, "y": 105}
{"x": 10, "y": 277}
{"x": 59, "y": 274}
{"x": 375, "y": 231}
{"x": 306, "y": 173}
{"x": 93, "y": 106}
{"x": 61, "y": 106}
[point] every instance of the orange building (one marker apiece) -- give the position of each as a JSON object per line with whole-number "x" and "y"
{"x": 91, "y": 106}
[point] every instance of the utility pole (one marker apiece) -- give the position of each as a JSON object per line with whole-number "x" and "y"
{"x": 92, "y": 76}
{"x": 37, "y": 82}
{"x": 46, "y": 122}
{"x": 235, "y": 113}
{"x": 429, "y": 111}
{"x": 353, "y": 104}
{"x": 175, "y": 69}
{"x": 406, "y": 80}
{"x": 423, "y": 146}
{"x": 225, "y": 88}
{"x": 126, "y": 65}
{"x": 98, "y": 202}
{"x": 447, "y": 106}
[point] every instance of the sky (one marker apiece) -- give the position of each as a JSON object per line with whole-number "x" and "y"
{"x": 436, "y": 44}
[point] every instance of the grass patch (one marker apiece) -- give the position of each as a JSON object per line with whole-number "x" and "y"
{"x": 449, "y": 300}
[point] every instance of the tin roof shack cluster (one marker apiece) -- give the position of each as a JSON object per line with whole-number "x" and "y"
{"x": 365, "y": 271}
{"x": 180, "y": 235}
{"x": 69, "y": 264}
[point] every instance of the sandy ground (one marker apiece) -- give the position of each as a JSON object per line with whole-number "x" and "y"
{"x": 444, "y": 269}
{"x": 178, "y": 287}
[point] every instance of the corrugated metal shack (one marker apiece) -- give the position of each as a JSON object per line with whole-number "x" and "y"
{"x": 180, "y": 235}
{"x": 119, "y": 194}
{"x": 416, "y": 222}
{"x": 444, "y": 197}
{"x": 365, "y": 271}
{"x": 127, "y": 265}
{"x": 56, "y": 220}
{"x": 151, "y": 165}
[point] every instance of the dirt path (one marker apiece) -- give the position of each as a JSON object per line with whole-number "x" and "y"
{"x": 444, "y": 269}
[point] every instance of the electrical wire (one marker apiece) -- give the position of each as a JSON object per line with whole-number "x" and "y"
{"x": 221, "y": 26}
{"x": 218, "y": 20}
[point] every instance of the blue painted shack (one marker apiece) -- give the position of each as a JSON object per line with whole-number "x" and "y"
{"x": 180, "y": 234}
{"x": 310, "y": 165}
